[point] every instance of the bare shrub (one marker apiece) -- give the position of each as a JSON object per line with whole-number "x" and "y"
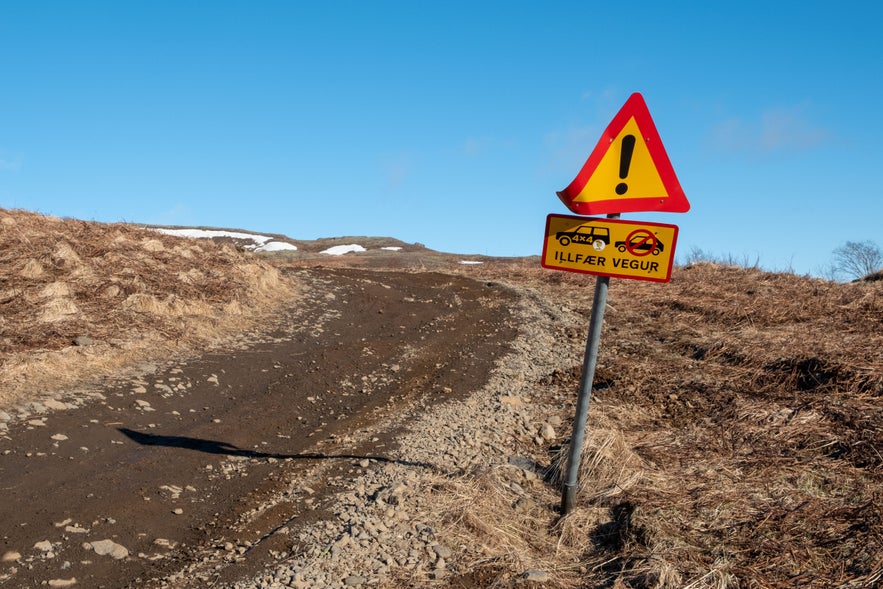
{"x": 857, "y": 259}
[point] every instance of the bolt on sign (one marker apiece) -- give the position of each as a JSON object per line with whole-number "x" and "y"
{"x": 628, "y": 171}
{"x": 610, "y": 247}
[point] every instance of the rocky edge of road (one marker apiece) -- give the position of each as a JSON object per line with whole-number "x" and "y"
{"x": 386, "y": 529}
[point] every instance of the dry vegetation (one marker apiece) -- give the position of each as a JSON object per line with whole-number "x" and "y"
{"x": 122, "y": 293}
{"x": 736, "y": 433}
{"x": 736, "y": 440}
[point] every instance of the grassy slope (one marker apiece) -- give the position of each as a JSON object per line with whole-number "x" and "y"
{"x": 737, "y": 428}
{"x": 735, "y": 438}
{"x": 135, "y": 294}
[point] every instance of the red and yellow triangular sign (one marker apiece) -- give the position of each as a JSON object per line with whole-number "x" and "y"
{"x": 628, "y": 171}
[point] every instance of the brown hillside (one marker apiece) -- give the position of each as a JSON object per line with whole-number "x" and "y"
{"x": 80, "y": 298}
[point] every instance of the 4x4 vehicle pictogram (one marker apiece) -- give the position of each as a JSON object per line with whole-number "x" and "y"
{"x": 598, "y": 237}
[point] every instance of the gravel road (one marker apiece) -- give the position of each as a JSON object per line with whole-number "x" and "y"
{"x": 291, "y": 459}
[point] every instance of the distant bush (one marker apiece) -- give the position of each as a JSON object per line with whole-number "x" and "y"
{"x": 697, "y": 255}
{"x": 856, "y": 260}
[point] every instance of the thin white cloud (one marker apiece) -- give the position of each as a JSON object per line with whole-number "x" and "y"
{"x": 396, "y": 170}
{"x": 569, "y": 148}
{"x": 481, "y": 145}
{"x": 779, "y": 129}
{"x": 476, "y": 146}
{"x": 603, "y": 98}
{"x": 783, "y": 129}
{"x": 10, "y": 165}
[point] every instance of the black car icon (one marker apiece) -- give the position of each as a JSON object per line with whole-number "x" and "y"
{"x": 587, "y": 234}
{"x": 641, "y": 243}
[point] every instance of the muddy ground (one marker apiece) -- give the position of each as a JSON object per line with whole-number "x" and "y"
{"x": 174, "y": 462}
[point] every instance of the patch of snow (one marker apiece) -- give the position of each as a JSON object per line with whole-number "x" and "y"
{"x": 339, "y": 250}
{"x": 276, "y": 246}
{"x": 262, "y": 242}
{"x": 391, "y": 248}
{"x": 470, "y": 262}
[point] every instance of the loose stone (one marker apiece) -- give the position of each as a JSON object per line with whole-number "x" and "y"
{"x": 536, "y": 576}
{"x": 108, "y": 548}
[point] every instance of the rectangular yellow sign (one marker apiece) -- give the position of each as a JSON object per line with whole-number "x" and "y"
{"x": 610, "y": 247}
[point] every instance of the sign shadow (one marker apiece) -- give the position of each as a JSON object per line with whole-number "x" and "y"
{"x": 226, "y": 449}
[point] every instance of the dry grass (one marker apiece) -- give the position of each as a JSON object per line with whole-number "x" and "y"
{"x": 736, "y": 440}
{"x": 136, "y": 294}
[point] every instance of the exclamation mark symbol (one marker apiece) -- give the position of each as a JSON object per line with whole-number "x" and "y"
{"x": 625, "y": 160}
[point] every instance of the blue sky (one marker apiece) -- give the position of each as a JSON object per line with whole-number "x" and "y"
{"x": 452, "y": 124}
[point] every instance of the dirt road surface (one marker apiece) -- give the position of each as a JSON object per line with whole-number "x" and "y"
{"x": 213, "y": 455}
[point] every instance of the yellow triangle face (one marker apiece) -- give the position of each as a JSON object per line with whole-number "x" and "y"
{"x": 614, "y": 178}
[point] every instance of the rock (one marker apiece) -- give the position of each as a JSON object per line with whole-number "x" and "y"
{"x": 10, "y": 556}
{"x": 524, "y": 505}
{"x": 59, "y": 437}
{"x": 174, "y": 490}
{"x": 512, "y": 401}
{"x": 75, "y": 530}
{"x": 63, "y": 582}
{"x": 54, "y": 405}
{"x": 83, "y": 340}
{"x": 108, "y": 548}
{"x": 547, "y": 432}
{"x": 536, "y": 576}
{"x": 442, "y": 551}
{"x": 4, "y": 416}
{"x": 522, "y": 462}
{"x": 44, "y": 546}
{"x": 354, "y": 581}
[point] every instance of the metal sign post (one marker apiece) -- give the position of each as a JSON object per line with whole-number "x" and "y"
{"x": 571, "y": 481}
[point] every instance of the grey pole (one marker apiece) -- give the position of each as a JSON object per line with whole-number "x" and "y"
{"x": 571, "y": 480}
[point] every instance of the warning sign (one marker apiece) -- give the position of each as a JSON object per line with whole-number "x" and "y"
{"x": 610, "y": 247}
{"x": 628, "y": 170}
